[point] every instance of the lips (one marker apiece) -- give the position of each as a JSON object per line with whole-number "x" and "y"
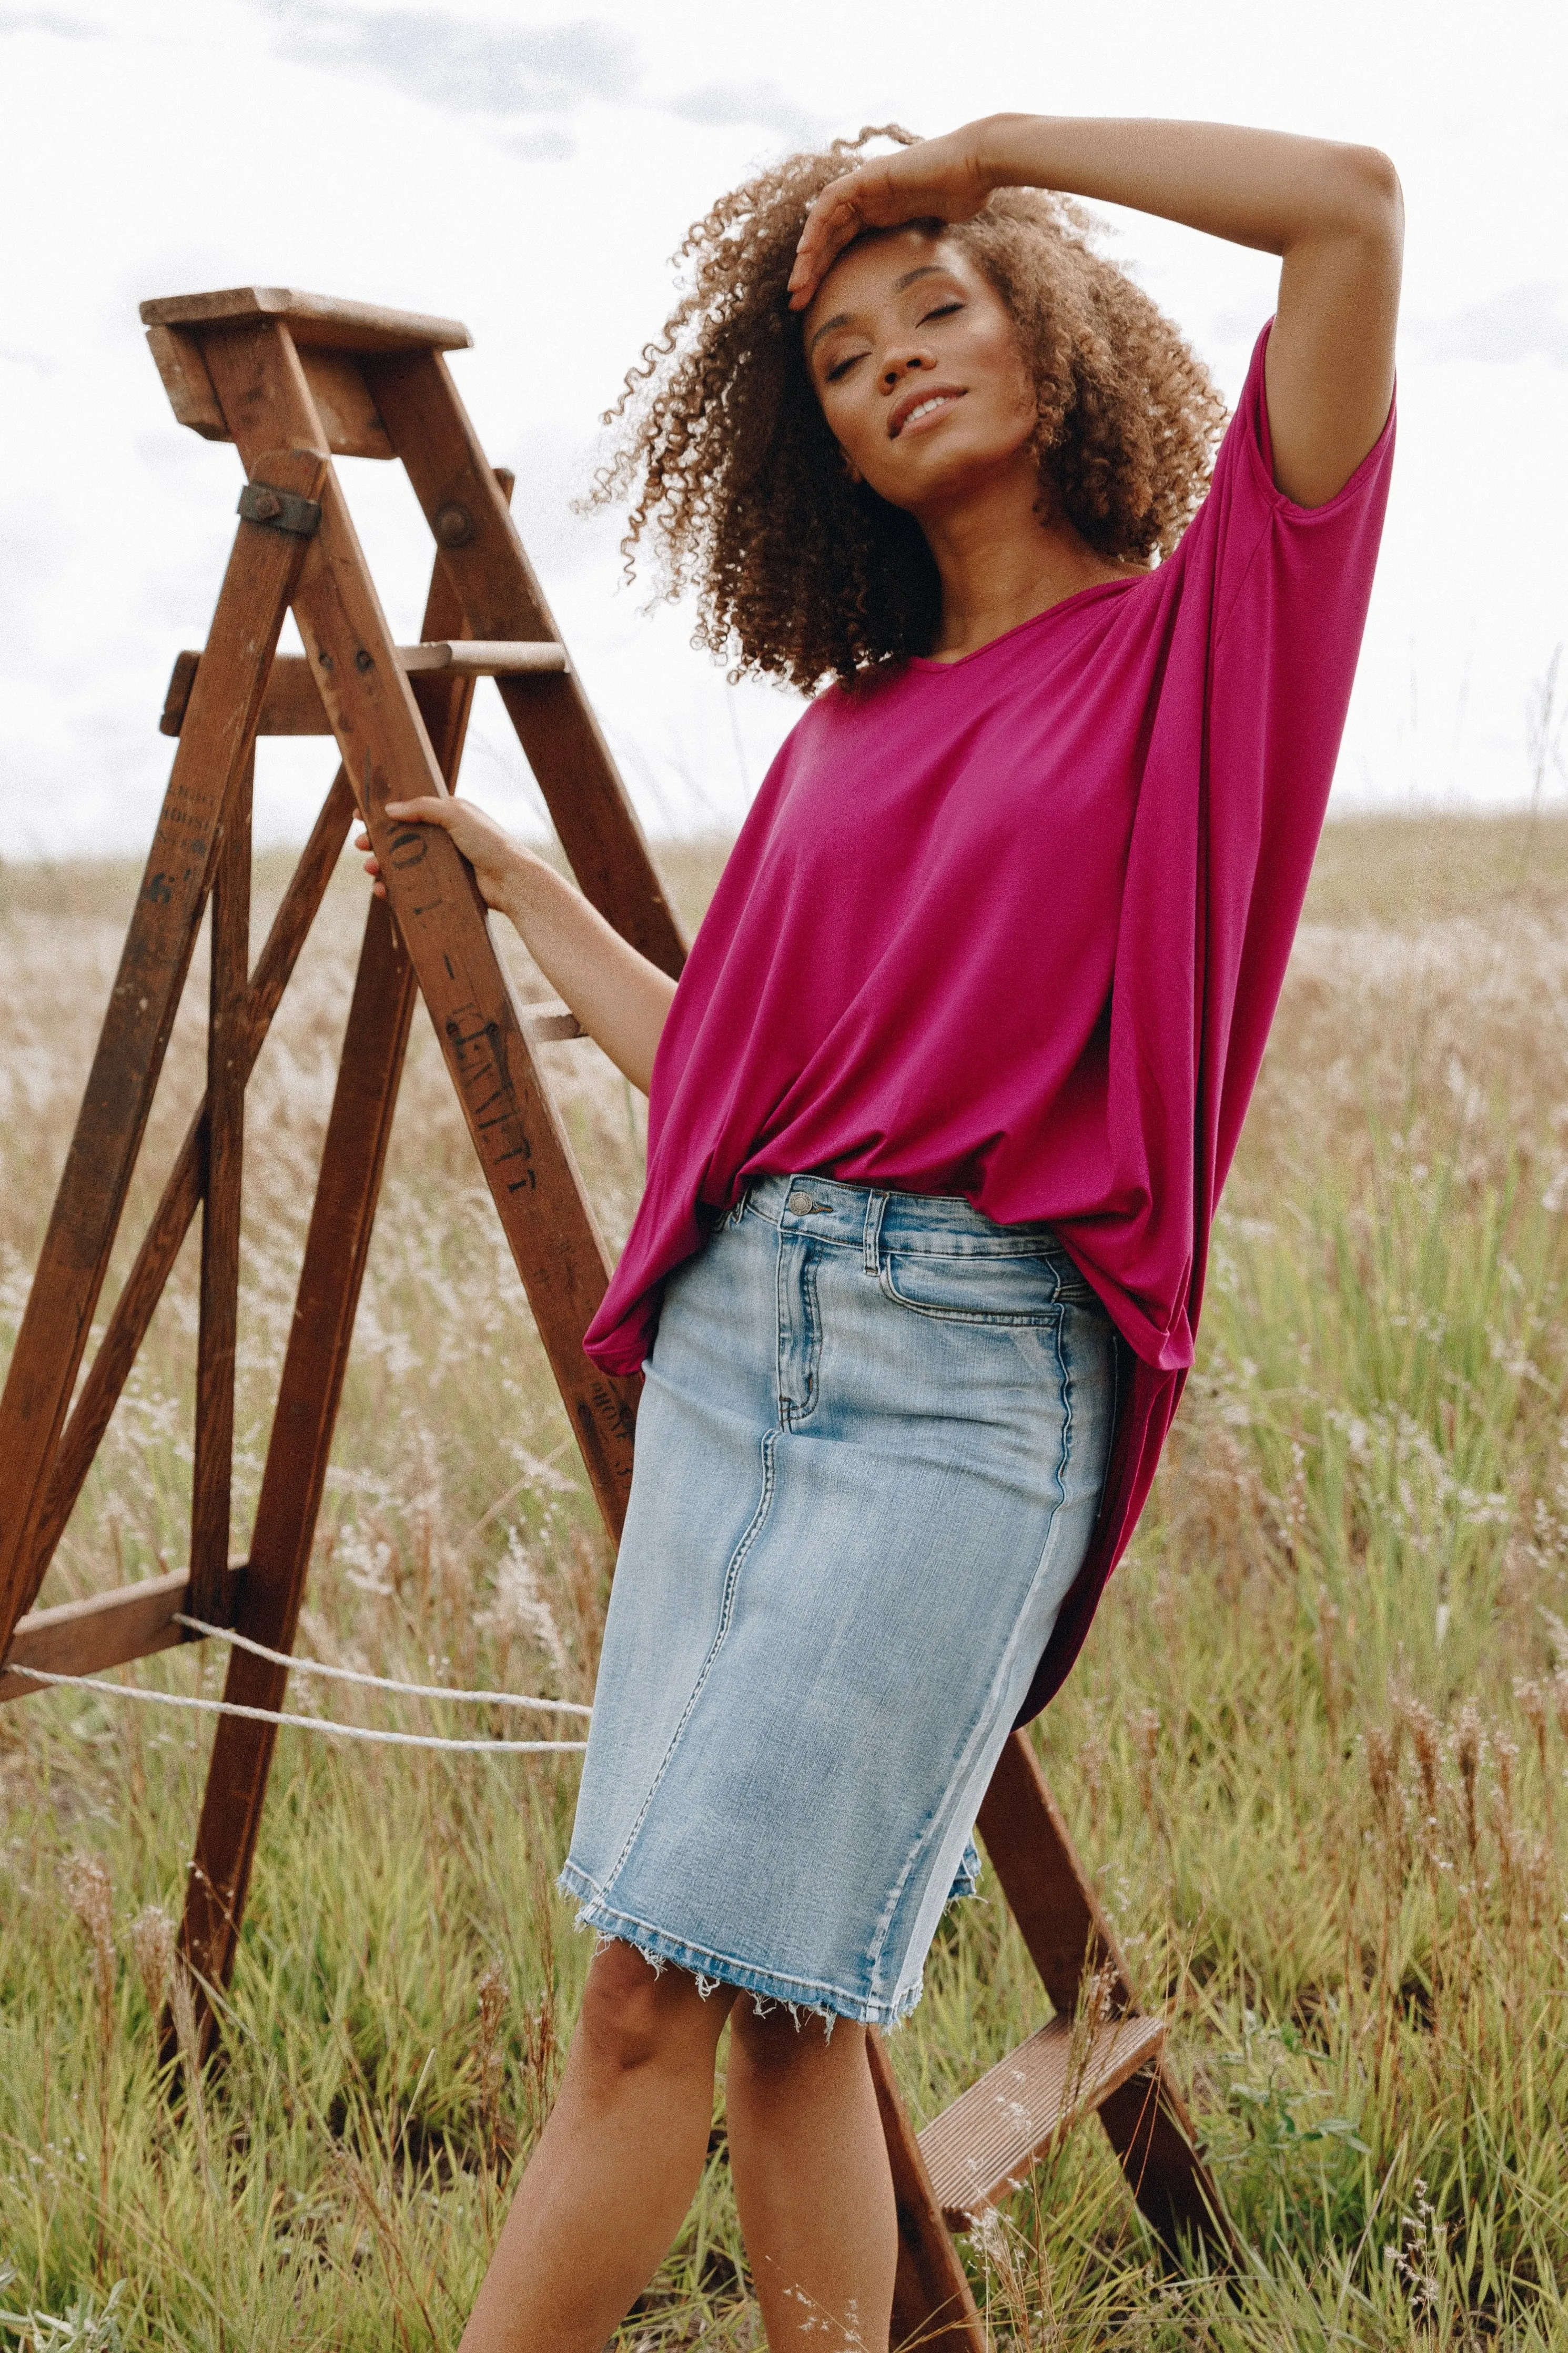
{"x": 928, "y": 398}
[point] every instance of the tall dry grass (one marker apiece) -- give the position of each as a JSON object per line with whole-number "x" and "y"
{"x": 1314, "y": 1752}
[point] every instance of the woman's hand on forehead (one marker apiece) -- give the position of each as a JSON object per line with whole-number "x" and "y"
{"x": 936, "y": 179}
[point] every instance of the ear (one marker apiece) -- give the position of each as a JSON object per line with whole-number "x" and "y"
{"x": 850, "y": 468}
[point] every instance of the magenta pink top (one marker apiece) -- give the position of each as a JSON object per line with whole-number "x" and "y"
{"x": 1014, "y": 927}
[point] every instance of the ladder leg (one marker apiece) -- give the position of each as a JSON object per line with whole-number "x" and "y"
{"x": 1147, "y": 2124}
{"x": 227, "y": 1070}
{"x": 933, "y": 2307}
{"x": 336, "y": 1247}
{"x": 262, "y": 574}
{"x": 313, "y": 1369}
{"x": 1068, "y": 1936}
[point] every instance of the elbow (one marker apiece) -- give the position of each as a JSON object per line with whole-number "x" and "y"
{"x": 1373, "y": 196}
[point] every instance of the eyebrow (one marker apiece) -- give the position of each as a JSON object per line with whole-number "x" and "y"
{"x": 842, "y": 318}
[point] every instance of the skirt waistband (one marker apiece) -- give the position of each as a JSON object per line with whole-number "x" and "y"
{"x": 861, "y": 1216}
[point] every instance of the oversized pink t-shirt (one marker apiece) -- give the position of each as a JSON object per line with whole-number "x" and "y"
{"x": 1014, "y": 927}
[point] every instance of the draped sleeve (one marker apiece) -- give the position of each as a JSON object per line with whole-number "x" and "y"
{"x": 1266, "y": 603}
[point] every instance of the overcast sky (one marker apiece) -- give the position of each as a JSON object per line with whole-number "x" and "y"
{"x": 530, "y": 171}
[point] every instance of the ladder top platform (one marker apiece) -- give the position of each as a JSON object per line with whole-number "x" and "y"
{"x": 321, "y": 319}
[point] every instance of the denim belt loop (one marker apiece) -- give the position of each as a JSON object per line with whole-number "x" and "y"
{"x": 876, "y": 1204}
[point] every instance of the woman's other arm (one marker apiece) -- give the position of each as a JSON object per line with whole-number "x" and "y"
{"x": 619, "y": 996}
{"x": 1334, "y": 215}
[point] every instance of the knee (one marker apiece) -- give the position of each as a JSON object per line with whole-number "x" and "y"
{"x": 633, "y": 2015}
{"x": 773, "y": 2047}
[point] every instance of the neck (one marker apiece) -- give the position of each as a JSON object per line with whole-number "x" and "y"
{"x": 1000, "y": 562}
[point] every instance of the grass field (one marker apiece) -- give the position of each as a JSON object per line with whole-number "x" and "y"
{"x": 1314, "y": 1752}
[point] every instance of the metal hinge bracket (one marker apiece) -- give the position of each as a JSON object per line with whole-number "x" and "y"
{"x": 282, "y": 510}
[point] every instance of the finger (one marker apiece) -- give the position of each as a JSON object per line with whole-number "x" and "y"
{"x": 832, "y": 221}
{"x": 824, "y": 239}
{"x": 836, "y": 202}
{"x": 811, "y": 268}
{"x": 426, "y": 810}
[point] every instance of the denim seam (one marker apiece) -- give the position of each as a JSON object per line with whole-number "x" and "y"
{"x": 985, "y": 1711}
{"x": 780, "y": 1330}
{"x": 726, "y": 1612}
{"x": 811, "y": 1312}
{"x": 791, "y": 1411}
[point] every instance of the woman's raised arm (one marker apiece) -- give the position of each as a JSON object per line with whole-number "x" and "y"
{"x": 1332, "y": 213}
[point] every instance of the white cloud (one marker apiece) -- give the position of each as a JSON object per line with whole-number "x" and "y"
{"x": 1518, "y": 323}
{"x": 446, "y": 59}
{"x": 762, "y": 103}
{"x": 50, "y": 22}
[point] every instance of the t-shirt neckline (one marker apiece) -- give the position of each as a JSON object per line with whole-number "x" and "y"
{"x": 1096, "y": 588}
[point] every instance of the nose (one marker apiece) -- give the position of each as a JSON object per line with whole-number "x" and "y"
{"x": 899, "y": 364}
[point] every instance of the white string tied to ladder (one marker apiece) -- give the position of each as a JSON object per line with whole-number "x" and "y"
{"x": 378, "y": 1683}
{"x": 326, "y": 1724}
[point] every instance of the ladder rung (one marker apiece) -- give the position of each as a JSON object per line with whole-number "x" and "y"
{"x": 485, "y": 657}
{"x": 986, "y": 2143}
{"x": 106, "y": 1630}
{"x": 550, "y": 1020}
{"x": 292, "y": 706}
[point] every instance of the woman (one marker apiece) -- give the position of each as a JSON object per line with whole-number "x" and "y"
{"x": 940, "y": 1109}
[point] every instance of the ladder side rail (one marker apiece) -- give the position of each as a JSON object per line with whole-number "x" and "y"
{"x": 1069, "y": 1939}
{"x": 1147, "y": 2124}
{"x": 1046, "y": 1887}
{"x": 144, "y": 1286}
{"x": 227, "y": 1076}
{"x": 588, "y": 803}
{"x": 261, "y": 575}
{"x": 314, "y": 1364}
{"x": 523, "y": 1148}
{"x": 337, "y": 1244}
{"x": 228, "y": 1067}
{"x": 933, "y": 2305}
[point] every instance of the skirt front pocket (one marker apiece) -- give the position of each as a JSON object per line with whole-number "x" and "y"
{"x": 970, "y": 1288}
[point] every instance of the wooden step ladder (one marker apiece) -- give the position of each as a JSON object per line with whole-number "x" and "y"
{"x": 292, "y": 379}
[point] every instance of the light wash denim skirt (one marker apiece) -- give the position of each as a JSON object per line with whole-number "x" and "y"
{"x": 869, "y": 1455}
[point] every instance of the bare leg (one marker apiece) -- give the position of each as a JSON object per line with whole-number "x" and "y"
{"x": 616, "y": 2167}
{"x": 812, "y": 2181}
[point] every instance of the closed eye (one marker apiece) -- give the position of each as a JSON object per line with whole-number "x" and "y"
{"x": 841, "y": 368}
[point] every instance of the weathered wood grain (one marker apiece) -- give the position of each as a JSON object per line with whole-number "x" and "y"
{"x": 522, "y": 1150}
{"x": 228, "y": 1067}
{"x": 352, "y": 1157}
{"x": 262, "y": 575}
{"x": 106, "y": 1630}
{"x": 588, "y": 803}
{"x": 933, "y": 2307}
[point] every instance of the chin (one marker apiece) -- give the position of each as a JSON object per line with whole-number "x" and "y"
{"x": 955, "y": 472}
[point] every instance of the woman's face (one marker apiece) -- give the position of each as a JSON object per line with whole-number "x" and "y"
{"x": 916, "y": 363}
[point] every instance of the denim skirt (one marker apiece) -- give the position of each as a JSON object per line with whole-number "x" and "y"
{"x": 869, "y": 1456}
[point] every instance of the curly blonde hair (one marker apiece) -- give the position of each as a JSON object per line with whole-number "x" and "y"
{"x": 802, "y": 573}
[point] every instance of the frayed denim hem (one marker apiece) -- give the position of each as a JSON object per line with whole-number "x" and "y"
{"x": 714, "y": 1969}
